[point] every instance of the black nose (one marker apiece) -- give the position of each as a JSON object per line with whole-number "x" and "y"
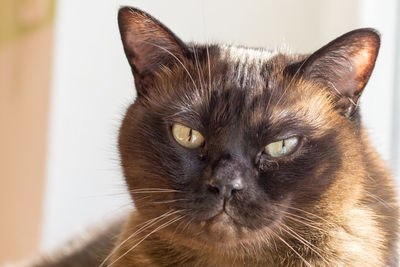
{"x": 228, "y": 176}
{"x": 225, "y": 187}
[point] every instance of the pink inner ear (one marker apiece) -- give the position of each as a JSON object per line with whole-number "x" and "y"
{"x": 142, "y": 32}
{"x": 148, "y": 44}
{"x": 364, "y": 60}
{"x": 145, "y": 29}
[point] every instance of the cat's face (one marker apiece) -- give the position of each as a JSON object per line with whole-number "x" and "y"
{"x": 230, "y": 141}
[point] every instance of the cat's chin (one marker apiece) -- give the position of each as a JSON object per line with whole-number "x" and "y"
{"x": 221, "y": 230}
{"x": 221, "y": 227}
{"x": 223, "y": 233}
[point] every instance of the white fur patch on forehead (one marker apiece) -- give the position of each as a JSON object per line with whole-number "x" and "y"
{"x": 244, "y": 54}
{"x": 246, "y": 63}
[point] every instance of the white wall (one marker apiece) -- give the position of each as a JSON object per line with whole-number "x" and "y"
{"x": 92, "y": 86}
{"x": 395, "y": 102}
{"x": 377, "y": 101}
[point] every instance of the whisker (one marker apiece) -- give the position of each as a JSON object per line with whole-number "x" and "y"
{"x": 304, "y": 241}
{"x": 209, "y": 71}
{"x": 293, "y": 78}
{"x": 176, "y": 58}
{"x": 143, "y": 227}
{"x": 170, "y": 201}
{"x": 306, "y": 212}
{"x": 137, "y": 199}
{"x": 187, "y": 224}
{"x": 306, "y": 224}
{"x": 291, "y": 248}
{"x": 380, "y": 200}
{"x": 154, "y": 189}
{"x": 151, "y": 192}
{"x": 300, "y": 220}
{"x": 179, "y": 225}
{"x": 304, "y": 219}
{"x": 146, "y": 236}
{"x": 196, "y": 60}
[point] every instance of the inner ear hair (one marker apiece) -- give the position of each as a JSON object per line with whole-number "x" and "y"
{"x": 344, "y": 65}
{"x": 148, "y": 44}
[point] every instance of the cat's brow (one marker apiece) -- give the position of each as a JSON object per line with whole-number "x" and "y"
{"x": 246, "y": 64}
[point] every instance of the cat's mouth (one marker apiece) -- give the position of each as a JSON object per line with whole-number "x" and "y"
{"x": 223, "y": 213}
{"x": 225, "y": 225}
{"x": 222, "y": 226}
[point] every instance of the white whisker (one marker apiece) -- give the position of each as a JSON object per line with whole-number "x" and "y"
{"x": 146, "y": 236}
{"x": 291, "y": 248}
{"x": 302, "y": 240}
{"x": 144, "y": 226}
{"x": 293, "y": 78}
{"x": 176, "y": 58}
{"x": 209, "y": 71}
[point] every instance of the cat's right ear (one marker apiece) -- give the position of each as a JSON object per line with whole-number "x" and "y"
{"x": 148, "y": 44}
{"x": 344, "y": 65}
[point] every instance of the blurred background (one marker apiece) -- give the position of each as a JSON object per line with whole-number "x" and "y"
{"x": 65, "y": 84}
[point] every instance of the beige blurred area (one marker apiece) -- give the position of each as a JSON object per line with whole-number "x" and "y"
{"x": 26, "y": 37}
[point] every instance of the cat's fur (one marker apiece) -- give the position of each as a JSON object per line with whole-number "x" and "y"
{"x": 330, "y": 203}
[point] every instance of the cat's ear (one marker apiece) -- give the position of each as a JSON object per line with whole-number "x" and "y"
{"x": 345, "y": 65}
{"x": 149, "y": 45}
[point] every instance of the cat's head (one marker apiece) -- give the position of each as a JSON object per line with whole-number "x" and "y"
{"x": 230, "y": 142}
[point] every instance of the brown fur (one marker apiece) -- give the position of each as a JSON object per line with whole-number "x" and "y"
{"x": 343, "y": 212}
{"x": 357, "y": 228}
{"x": 330, "y": 203}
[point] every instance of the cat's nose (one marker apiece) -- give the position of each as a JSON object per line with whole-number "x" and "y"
{"x": 228, "y": 176}
{"x": 225, "y": 188}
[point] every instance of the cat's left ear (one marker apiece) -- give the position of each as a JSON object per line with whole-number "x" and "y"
{"x": 345, "y": 65}
{"x": 149, "y": 45}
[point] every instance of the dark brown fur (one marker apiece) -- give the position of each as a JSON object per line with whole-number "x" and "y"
{"x": 330, "y": 203}
{"x": 78, "y": 253}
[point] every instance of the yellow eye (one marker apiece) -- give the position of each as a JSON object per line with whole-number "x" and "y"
{"x": 282, "y": 148}
{"x": 186, "y": 136}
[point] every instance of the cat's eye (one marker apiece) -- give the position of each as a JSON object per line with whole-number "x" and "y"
{"x": 282, "y": 148}
{"x": 186, "y": 136}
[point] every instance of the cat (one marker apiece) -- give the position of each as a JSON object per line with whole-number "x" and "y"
{"x": 238, "y": 156}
